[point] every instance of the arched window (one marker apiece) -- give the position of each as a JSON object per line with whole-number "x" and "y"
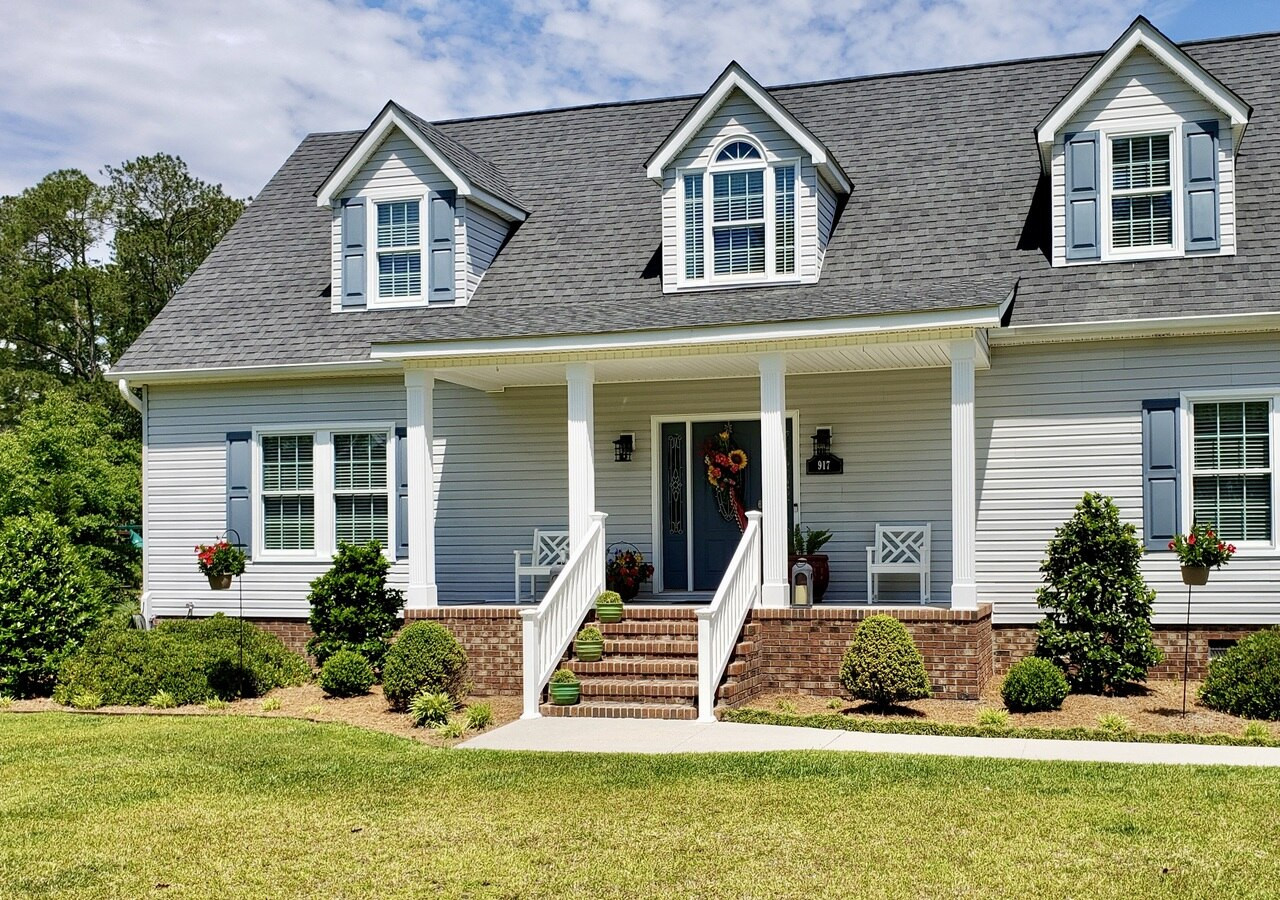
{"x": 737, "y": 150}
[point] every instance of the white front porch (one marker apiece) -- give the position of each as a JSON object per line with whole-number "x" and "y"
{"x": 515, "y": 444}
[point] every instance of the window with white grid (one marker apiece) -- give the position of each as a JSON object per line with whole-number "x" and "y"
{"x": 399, "y": 241}
{"x": 1141, "y": 191}
{"x": 1231, "y": 468}
{"x": 360, "y": 496}
{"x": 288, "y": 492}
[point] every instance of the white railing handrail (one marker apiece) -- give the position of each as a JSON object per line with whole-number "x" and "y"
{"x": 720, "y": 623}
{"x": 548, "y": 629}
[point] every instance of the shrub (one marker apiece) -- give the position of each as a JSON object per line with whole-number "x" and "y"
{"x": 425, "y": 656}
{"x": 835, "y": 703}
{"x": 191, "y": 659}
{"x": 882, "y": 664}
{"x": 1257, "y": 731}
{"x": 785, "y": 705}
{"x": 454, "y": 728}
{"x": 993, "y": 718}
{"x": 6, "y": 702}
{"x": 1098, "y": 628}
{"x": 271, "y": 704}
{"x": 346, "y": 674}
{"x": 430, "y": 708}
{"x": 480, "y": 716}
{"x": 1034, "y": 685}
{"x": 216, "y": 703}
{"x": 1113, "y": 723}
{"x": 564, "y": 676}
{"x": 162, "y": 700}
{"x": 86, "y": 700}
{"x": 351, "y": 606}
{"x": 48, "y": 604}
{"x": 608, "y": 598}
{"x": 1245, "y": 681}
{"x": 590, "y": 633}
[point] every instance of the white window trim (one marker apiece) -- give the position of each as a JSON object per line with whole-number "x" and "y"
{"x": 322, "y": 489}
{"x": 1270, "y": 393}
{"x": 372, "y": 298}
{"x": 770, "y": 275}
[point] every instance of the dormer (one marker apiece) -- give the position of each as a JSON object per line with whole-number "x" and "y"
{"x": 749, "y": 195}
{"x": 1141, "y": 154}
{"x": 417, "y": 218}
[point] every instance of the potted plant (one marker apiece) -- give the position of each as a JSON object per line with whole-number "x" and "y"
{"x": 588, "y": 646}
{"x": 609, "y": 607}
{"x": 565, "y": 688}
{"x": 1198, "y": 551}
{"x": 805, "y": 544}
{"x": 219, "y": 562}
{"x": 626, "y": 570}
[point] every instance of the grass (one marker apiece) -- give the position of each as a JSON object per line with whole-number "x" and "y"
{"x": 266, "y": 807}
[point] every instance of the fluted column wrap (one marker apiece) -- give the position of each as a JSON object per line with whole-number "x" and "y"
{"x": 582, "y": 467}
{"x": 773, "y": 477}
{"x": 419, "y": 390}
{"x": 964, "y": 508}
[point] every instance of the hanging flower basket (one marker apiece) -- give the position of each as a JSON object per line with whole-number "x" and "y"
{"x": 220, "y": 582}
{"x": 1195, "y": 575}
{"x": 726, "y": 464}
{"x": 1198, "y": 551}
{"x": 220, "y": 561}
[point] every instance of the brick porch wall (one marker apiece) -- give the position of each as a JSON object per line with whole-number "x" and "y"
{"x": 492, "y": 638}
{"x": 802, "y": 649}
{"x": 1013, "y": 642}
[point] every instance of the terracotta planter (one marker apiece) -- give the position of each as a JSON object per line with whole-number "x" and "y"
{"x": 588, "y": 650}
{"x": 1196, "y": 575}
{"x": 821, "y": 572}
{"x": 609, "y": 612}
{"x": 219, "y": 582}
{"x": 565, "y": 694}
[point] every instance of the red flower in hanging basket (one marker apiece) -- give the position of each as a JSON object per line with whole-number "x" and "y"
{"x": 220, "y": 558}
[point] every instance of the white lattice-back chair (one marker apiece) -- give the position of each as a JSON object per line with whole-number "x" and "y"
{"x": 899, "y": 550}
{"x": 550, "y": 552}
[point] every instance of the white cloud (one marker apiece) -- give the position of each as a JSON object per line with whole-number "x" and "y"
{"x": 233, "y": 86}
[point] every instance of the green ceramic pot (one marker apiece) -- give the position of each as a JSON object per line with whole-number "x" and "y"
{"x": 609, "y": 612}
{"x": 565, "y": 694}
{"x": 588, "y": 650}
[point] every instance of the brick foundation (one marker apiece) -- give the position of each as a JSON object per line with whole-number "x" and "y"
{"x": 1013, "y": 642}
{"x": 802, "y": 649}
{"x": 294, "y": 632}
{"x": 492, "y": 638}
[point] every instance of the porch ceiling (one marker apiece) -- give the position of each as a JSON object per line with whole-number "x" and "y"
{"x": 803, "y": 358}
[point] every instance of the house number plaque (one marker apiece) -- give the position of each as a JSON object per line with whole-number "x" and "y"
{"x": 825, "y": 464}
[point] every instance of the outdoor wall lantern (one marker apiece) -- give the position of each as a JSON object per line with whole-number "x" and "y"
{"x": 623, "y": 447}
{"x": 823, "y": 461}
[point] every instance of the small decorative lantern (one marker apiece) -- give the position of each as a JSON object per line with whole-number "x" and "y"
{"x": 623, "y": 447}
{"x": 822, "y": 442}
{"x": 801, "y": 584}
{"x": 823, "y": 461}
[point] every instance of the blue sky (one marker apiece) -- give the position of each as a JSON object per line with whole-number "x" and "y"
{"x": 233, "y": 86}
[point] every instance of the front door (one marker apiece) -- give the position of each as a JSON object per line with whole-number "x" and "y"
{"x": 700, "y": 530}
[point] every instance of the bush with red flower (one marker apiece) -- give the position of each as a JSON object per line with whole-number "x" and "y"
{"x": 626, "y": 570}
{"x": 1202, "y": 548}
{"x": 220, "y": 558}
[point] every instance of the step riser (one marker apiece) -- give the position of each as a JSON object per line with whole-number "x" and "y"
{"x": 650, "y": 648}
{"x": 637, "y": 711}
{"x": 657, "y": 628}
{"x": 636, "y": 667}
{"x": 654, "y": 689}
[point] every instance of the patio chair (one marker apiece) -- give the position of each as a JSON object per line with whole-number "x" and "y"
{"x": 549, "y": 554}
{"x": 899, "y": 550}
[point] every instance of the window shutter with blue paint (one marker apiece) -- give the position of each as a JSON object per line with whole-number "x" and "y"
{"x": 1081, "y": 195}
{"x": 441, "y": 246}
{"x": 354, "y": 251}
{"x": 1202, "y": 185}
{"x": 402, "y": 493}
{"x": 240, "y": 490}
{"x": 1160, "y": 488}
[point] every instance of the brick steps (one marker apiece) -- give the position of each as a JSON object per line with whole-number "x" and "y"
{"x": 605, "y": 709}
{"x": 638, "y": 665}
{"x": 653, "y": 646}
{"x": 651, "y": 688}
{"x": 650, "y": 627}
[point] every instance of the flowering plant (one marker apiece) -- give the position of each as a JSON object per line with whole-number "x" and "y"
{"x": 625, "y": 570}
{"x": 726, "y": 464}
{"x": 1202, "y": 548}
{"x": 220, "y": 558}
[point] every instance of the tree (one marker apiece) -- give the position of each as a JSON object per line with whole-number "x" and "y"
{"x": 1098, "y": 625}
{"x": 166, "y": 222}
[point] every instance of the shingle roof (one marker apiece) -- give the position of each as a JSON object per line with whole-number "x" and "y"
{"x": 475, "y": 168}
{"x": 949, "y": 209}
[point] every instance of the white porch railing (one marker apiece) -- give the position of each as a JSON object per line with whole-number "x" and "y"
{"x": 548, "y": 629}
{"x": 720, "y": 624}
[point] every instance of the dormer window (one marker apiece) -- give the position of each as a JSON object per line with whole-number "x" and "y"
{"x": 399, "y": 249}
{"x": 736, "y": 150}
{"x": 1141, "y": 192}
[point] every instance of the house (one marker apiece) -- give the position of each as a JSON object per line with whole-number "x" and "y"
{"x": 985, "y": 290}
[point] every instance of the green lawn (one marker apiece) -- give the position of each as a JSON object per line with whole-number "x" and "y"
{"x": 228, "y": 806}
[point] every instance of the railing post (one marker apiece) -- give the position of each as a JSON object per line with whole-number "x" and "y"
{"x": 597, "y": 518}
{"x": 706, "y": 654}
{"x": 531, "y": 653}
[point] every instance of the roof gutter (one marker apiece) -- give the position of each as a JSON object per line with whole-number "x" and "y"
{"x": 1168, "y": 326}
{"x": 243, "y": 373}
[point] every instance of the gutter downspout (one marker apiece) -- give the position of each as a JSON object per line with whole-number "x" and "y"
{"x": 130, "y": 397}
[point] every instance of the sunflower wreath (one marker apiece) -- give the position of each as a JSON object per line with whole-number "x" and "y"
{"x": 726, "y": 473}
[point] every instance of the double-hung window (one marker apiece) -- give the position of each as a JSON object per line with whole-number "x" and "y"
{"x": 1231, "y": 468}
{"x": 360, "y": 488}
{"x": 1141, "y": 192}
{"x": 399, "y": 242}
{"x": 288, "y": 492}
{"x": 738, "y": 215}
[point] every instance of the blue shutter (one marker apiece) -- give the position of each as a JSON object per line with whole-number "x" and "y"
{"x": 353, "y": 253}
{"x": 402, "y": 493}
{"x": 1160, "y": 490}
{"x": 1082, "y": 196}
{"x": 240, "y": 490}
{"x": 440, "y": 248}
{"x": 1202, "y": 185}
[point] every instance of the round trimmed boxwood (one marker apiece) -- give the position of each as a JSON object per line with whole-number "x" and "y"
{"x": 1034, "y": 685}
{"x": 346, "y": 674}
{"x": 882, "y": 663}
{"x": 1245, "y": 681}
{"x": 425, "y": 656}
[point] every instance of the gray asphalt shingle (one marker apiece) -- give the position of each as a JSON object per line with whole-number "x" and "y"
{"x": 944, "y": 214}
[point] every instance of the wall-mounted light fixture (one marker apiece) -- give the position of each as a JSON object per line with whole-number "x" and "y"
{"x": 623, "y": 447}
{"x": 822, "y": 442}
{"x": 823, "y": 461}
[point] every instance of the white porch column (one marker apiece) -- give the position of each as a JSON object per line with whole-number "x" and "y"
{"x": 964, "y": 505}
{"x": 773, "y": 478}
{"x": 582, "y": 466}
{"x": 419, "y": 386}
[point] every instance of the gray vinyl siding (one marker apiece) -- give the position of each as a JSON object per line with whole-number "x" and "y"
{"x": 1144, "y": 88}
{"x": 485, "y": 233}
{"x": 1055, "y": 421}
{"x": 826, "y": 210}
{"x": 185, "y": 500}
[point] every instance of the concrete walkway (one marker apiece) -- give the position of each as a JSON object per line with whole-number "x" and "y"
{"x": 660, "y": 736}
